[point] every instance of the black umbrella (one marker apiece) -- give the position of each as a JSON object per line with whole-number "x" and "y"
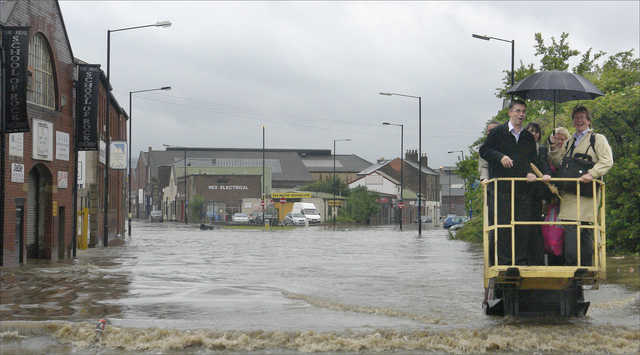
{"x": 556, "y": 86}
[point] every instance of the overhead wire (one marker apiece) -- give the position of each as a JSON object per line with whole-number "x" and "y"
{"x": 246, "y": 114}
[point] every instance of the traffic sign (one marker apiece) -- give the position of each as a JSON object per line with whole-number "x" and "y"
{"x": 283, "y": 200}
{"x": 262, "y": 203}
{"x": 401, "y": 204}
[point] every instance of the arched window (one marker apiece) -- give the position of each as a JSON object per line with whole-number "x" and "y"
{"x": 41, "y": 90}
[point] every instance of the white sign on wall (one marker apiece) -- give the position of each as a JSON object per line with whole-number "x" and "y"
{"x": 103, "y": 152}
{"x": 63, "y": 178}
{"x": 16, "y": 145}
{"x": 118, "y": 158}
{"x": 140, "y": 195}
{"x": 17, "y": 172}
{"x": 42, "y": 140}
{"x": 82, "y": 160}
{"x": 62, "y": 145}
{"x": 228, "y": 187}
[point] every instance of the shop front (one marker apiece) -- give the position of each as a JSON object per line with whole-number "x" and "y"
{"x": 222, "y": 195}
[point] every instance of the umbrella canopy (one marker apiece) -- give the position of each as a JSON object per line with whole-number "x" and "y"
{"x": 556, "y": 86}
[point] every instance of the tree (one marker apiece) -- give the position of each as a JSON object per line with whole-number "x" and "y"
{"x": 361, "y": 204}
{"x": 555, "y": 56}
{"x": 340, "y": 187}
{"x": 195, "y": 206}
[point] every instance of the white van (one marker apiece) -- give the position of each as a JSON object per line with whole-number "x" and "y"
{"x": 308, "y": 210}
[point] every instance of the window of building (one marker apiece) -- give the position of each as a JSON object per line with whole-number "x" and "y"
{"x": 41, "y": 88}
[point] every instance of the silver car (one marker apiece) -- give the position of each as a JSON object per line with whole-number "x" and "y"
{"x": 294, "y": 219}
{"x": 240, "y": 218}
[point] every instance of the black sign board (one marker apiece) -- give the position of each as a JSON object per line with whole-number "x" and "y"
{"x": 15, "y": 44}
{"x": 87, "y": 107}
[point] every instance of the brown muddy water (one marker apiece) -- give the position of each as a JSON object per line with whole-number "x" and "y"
{"x": 173, "y": 289}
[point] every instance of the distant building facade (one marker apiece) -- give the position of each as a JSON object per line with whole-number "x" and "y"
{"x": 452, "y": 188}
{"x": 288, "y": 169}
{"x": 385, "y": 178}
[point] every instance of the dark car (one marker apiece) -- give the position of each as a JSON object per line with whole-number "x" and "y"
{"x": 271, "y": 218}
{"x": 453, "y": 220}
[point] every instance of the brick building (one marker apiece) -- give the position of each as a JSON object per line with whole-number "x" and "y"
{"x": 91, "y": 193}
{"x": 39, "y": 169}
{"x": 39, "y": 164}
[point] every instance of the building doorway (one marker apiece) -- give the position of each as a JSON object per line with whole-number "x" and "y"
{"x": 39, "y": 212}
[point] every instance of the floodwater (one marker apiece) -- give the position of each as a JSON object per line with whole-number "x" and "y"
{"x": 174, "y": 289}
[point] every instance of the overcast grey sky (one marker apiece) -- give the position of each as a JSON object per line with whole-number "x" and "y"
{"x": 311, "y": 71}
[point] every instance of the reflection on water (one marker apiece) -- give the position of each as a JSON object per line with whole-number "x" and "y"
{"x": 59, "y": 292}
{"x": 177, "y": 289}
{"x": 624, "y": 270}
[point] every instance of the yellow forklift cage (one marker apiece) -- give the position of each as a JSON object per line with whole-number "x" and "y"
{"x": 547, "y": 277}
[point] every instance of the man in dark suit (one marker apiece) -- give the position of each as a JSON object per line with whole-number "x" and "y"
{"x": 510, "y": 149}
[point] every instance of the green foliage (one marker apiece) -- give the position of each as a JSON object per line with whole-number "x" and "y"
{"x": 361, "y": 204}
{"x": 522, "y": 72}
{"x": 588, "y": 63}
{"x": 195, "y": 207}
{"x": 340, "y": 187}
{"x": 555, "y": 56}
{"x": 471, "y": 231}
{"x": 467, "y": 169}
{"x": 342, "y": 218}
{"x": 623, "y": 205}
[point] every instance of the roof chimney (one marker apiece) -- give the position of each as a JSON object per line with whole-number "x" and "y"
{"x": 411, "y": 155}
{"x": 425, "y": 160}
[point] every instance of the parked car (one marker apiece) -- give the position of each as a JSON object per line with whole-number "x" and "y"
{"x": 269, "y": 217}
{"x": 240, "y": 218}
{"x": 453, "y": 220}
{"x": 156, "y": 216}
{"x": 253, "y": 217}
{"x": 308, "y": 210}
{"x": 294, "y": 219}
{"x": 425, "y": 219}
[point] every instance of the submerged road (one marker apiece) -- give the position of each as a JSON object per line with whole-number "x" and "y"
{"x": 176, "y": 289}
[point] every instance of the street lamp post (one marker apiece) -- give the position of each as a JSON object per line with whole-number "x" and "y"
{"x": 263, "y": 179}
{"x": 419, "y": 154}
{"x": 105, "y": 237}
{"x": 131, "y": 141}
{"x": 186, "y": 193}
{"x": 401, "y": 166}
{"x": 513, "y": 43}
{"x": 334, "y": 177}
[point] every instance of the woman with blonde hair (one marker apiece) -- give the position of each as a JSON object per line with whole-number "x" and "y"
{"x": 556, "y": 141}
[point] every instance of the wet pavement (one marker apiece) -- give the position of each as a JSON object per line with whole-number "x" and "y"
{"x": 176, "y": 289}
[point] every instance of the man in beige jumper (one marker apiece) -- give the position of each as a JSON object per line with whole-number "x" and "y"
{"x": 602, "y": 158}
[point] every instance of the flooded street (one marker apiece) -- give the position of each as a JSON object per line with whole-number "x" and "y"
{"x": 177, "y": 289}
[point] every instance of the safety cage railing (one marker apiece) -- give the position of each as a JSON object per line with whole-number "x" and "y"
{"x": 598, "y": 224}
